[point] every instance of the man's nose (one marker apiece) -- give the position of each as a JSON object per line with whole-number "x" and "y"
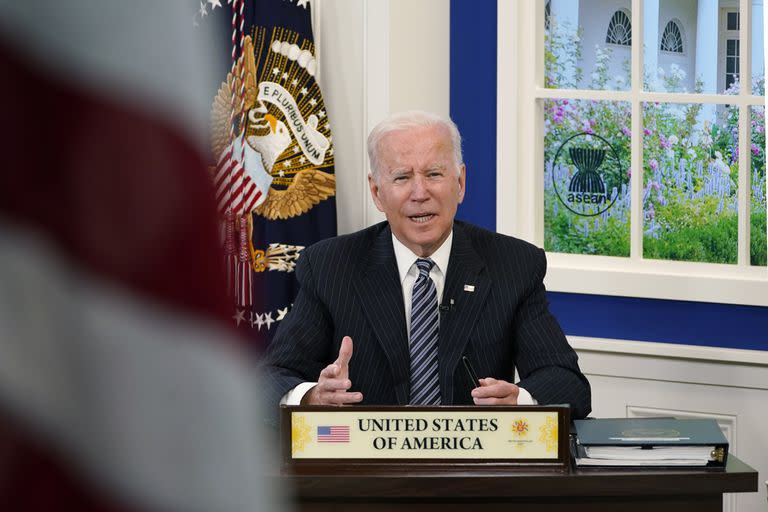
{"x": 420, "y": 190}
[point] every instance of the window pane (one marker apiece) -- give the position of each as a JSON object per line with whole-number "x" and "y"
{"x": 691, "y": 47}
{"x": 587, "y": 46}
{"x": 758, "y": 249}
{"x": 586, "y": 176}
{"x": 690, "y": 165}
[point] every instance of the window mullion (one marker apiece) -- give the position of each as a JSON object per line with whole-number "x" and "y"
{"x": 745, "y": 135}
{"x": 636, "y": 143}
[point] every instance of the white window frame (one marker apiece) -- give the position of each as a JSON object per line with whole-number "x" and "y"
{"x": 520, "y": 187}
{"x": 723, "y": 37}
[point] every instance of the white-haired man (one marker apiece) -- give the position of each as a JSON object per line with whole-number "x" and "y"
{"x": 418, "y": 294}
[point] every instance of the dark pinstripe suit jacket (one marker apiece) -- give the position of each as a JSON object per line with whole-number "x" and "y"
{"x": 350, "y": 286}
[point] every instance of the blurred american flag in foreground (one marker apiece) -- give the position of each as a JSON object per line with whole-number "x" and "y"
{"x": 121, "y": 385}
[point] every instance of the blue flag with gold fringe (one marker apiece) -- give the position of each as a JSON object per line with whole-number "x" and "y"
{"x": 272, "y": 160}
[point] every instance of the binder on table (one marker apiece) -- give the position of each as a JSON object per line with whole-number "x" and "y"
{"x": 649, "y": 442}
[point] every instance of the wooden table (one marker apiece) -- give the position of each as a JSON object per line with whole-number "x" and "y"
{"x": 341, "y": 488}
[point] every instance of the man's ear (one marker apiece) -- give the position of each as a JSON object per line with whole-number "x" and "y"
{"x": 374, "y": 192}
{"x": 462, "y": 182}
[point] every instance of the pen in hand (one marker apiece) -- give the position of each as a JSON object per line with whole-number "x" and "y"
{"x": 470, "y": 371}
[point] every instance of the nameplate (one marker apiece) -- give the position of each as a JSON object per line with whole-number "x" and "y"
{"x": 418, "y": 434}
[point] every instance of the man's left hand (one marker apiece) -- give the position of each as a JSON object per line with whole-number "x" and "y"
{"x": 495, "y": 392}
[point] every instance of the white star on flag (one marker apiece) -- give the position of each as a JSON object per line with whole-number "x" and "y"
{"x": 268, "y": 319}
{"x": 203, "y": 10}
{"x": 303, "y": 90}
{"x": 214, "y": 3}
{"x": 313, "y": 102}
{"x": 302, "y": 3}
{"x": 239, "y": 316}
{"x": 281, "y": 313}
{"x": 294, "y": 82}
{"x": 275, "y": 71}
{"x": 285, "y": 76}
{"x": 321, "y": 113}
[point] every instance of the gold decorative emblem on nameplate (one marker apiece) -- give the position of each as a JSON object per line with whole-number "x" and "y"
{"x": 300, "y": 434}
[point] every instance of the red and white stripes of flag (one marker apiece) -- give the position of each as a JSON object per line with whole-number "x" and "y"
{"x": 236, "y": 193}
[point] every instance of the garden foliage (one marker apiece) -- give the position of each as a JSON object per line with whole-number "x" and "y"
{"x": 690, "y": 164}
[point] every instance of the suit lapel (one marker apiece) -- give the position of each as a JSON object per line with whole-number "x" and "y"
{"x": 381, "y": 296}
{"x": 465, "y": 267}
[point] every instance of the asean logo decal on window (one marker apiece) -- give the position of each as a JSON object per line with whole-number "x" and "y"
{"x": 587, "y": 174}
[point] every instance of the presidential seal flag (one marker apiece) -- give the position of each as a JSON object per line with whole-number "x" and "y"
{"x": 272, "y": 158}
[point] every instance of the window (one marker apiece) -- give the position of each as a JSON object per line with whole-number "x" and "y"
{"x": 730, "y": 37}
{"x": 619, "y": 29}
{"x": 634, "y": 189}
{"x": 672, "y": 39}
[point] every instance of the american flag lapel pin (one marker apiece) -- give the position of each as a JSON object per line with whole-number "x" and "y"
{"x": 469, "y": 288}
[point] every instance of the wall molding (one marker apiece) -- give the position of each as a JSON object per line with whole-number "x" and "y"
{"x": 670, "y": 350}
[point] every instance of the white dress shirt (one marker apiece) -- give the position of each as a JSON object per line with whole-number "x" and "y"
{"x": 409, "y": 272}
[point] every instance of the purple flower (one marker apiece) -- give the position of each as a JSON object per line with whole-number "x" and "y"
{"x": 664, "y": 142}
{"x": 654, "y": 164}
{"x": 626, "y": 131}
{"x": 755, "y": 150}
{"x": 646, "y": 131}
{"x": 629, "y": 172}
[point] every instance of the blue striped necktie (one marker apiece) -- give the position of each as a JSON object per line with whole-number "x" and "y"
{"x": 425, "y": 383}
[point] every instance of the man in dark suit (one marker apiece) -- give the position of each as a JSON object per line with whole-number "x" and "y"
{"x": 418, "y": 293}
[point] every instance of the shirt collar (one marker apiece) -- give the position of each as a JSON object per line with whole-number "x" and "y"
{"x": 406, "y": 258}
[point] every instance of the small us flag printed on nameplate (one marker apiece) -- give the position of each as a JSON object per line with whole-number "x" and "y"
{"x": 333, "y": 434}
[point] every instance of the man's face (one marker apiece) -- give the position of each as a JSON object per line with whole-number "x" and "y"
{"x": 418, "y": 187}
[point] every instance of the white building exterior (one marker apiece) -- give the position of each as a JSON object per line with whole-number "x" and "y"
{"x": 689, "y": 25}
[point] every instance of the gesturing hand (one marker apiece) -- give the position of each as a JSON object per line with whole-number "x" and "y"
{"x": 495, "y": 392}
{"x": 332, "y": 386}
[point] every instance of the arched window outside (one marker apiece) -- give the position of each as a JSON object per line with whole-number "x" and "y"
{"x": 619, "y": 29}
{"x": 672, "y": 38}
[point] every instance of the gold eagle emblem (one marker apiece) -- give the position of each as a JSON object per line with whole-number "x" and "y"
{"x": 284, "y": 120}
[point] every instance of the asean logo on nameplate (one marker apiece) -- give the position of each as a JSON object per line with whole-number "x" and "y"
{"x": 520, "y": 427}
{"x": 587, "y": 174}
{"x": 333, "y": 434}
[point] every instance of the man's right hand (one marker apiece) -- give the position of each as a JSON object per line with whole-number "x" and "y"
{"x": 332, "y": 386}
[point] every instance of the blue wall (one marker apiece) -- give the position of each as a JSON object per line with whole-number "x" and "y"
{"x": 473, "y": 107}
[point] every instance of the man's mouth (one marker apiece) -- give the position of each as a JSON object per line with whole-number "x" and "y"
{"x": 422, "y": 218}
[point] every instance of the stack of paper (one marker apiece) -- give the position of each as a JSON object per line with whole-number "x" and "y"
{"x": 638, "y": 456}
